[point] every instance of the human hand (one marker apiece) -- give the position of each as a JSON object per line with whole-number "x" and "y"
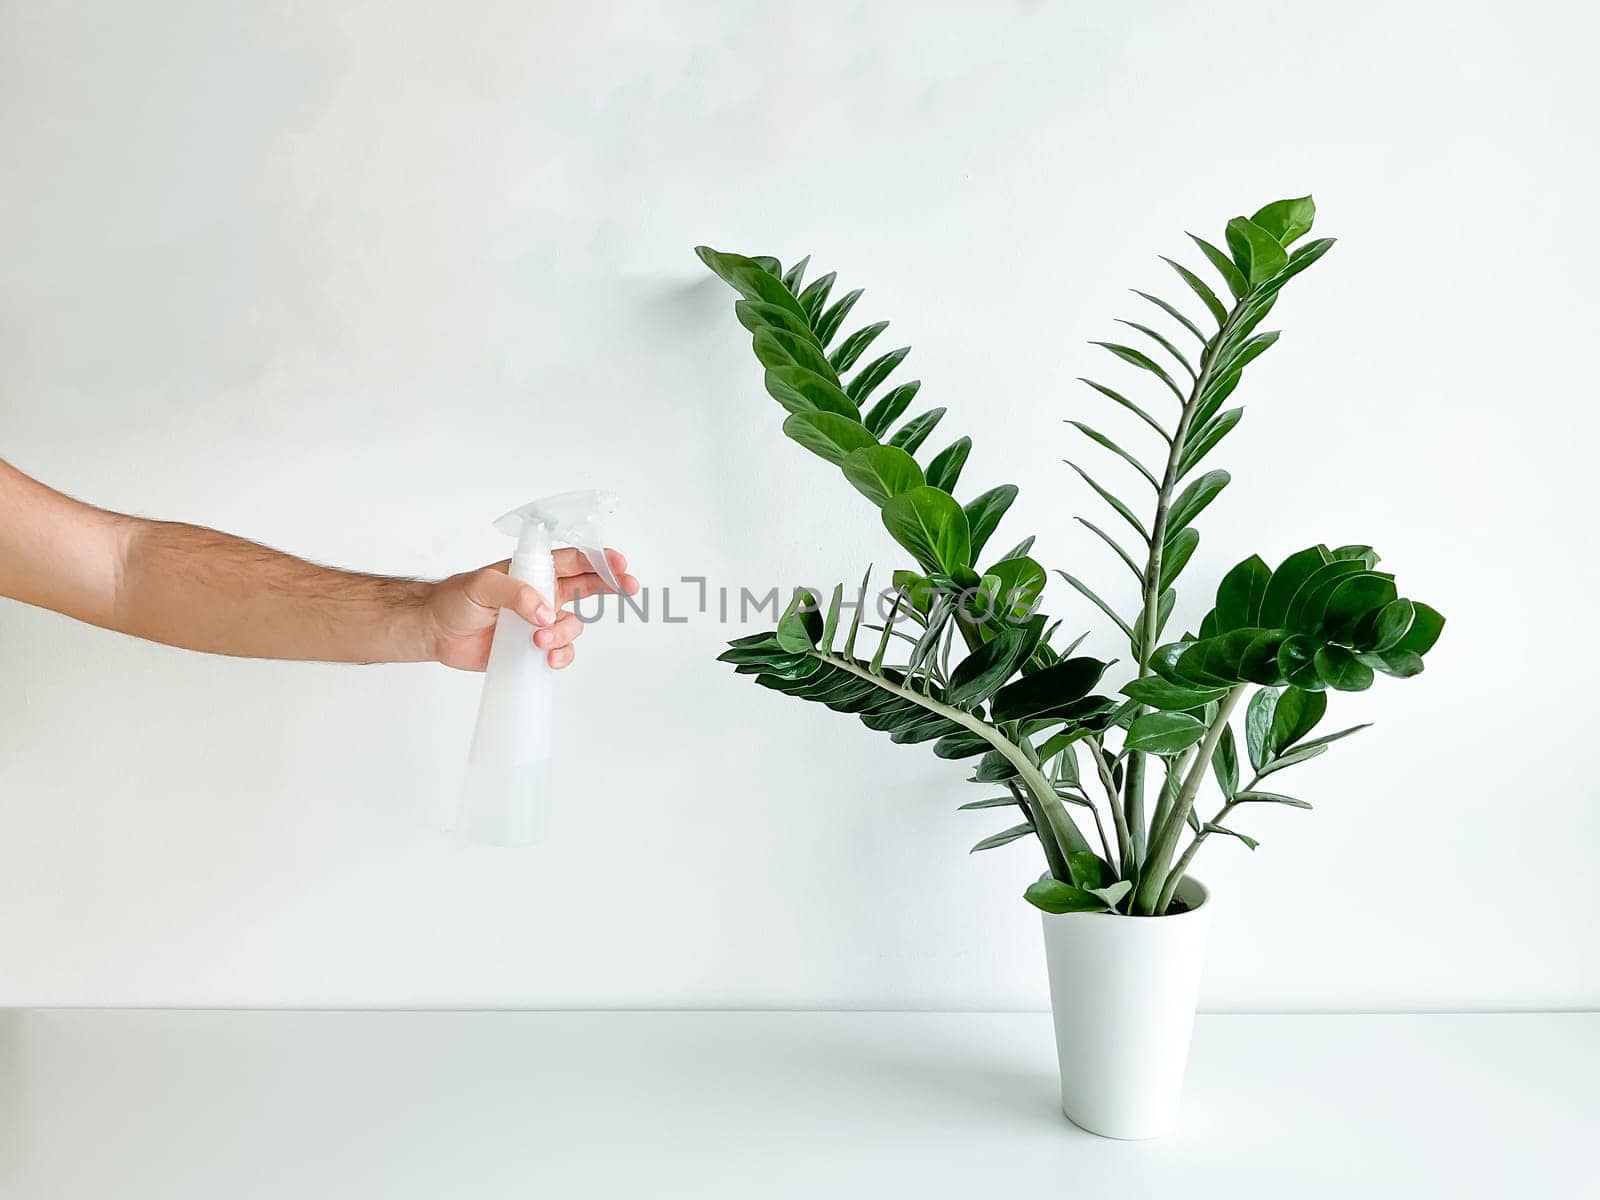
{"x": 459, "y": 613}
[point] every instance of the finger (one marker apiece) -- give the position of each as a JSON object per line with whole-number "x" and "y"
{"x": 559, "y": 634}
{"x": 577, "y": 587}
{"x": 493, "y": 589}
{"x": 576, "y": 562}
{"x": 560, "y": 657}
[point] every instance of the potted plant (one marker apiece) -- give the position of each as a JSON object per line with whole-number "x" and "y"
{"x": 1108, "y": 781}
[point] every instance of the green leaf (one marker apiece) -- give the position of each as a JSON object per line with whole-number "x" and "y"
{"x": 1255, "y": 250}
{"x": 1020, "y": 549}
{"x": 855, "y": 617}
{"x": 932, "y": 526}
{"x": 815, "y": 296}
{"x": 991, "y": 802}
{"x": 796, "y": 273}
{"x": 1198, "y": 285}
{"x": 1047, "y": 692}
{"x": 1295, "y": 661}
{"x": 1192, "y": 501}
{"x": 1119, "y": 398}
{"x": 828, "y": 434}
{"x": 1001, "y": 838}
{"x": 1305, "y": 610}
{"x": 1164, "y": 733}
{"x": 1016, "y": 585}
{"x": 1121, "y": 509}
{"x": 1299, "y": 755}
{"x": 888, "y": 633}
{"x": 875, "y": 372}
{"x": 800, "y": 391}
{"x": 1163, "y": 694}
{"x": 756, "y": 315}
{"x": 1287, "y": 581}
{"x": 1231, "y": 275}
{"x": 1213, "y": 827}
{"x": 1245, "y": 354}
{"x": 1053, "y": 896}
{"x": 1225, "y": 763}
{"x": 749, "y": 278}
{"x": 983, "y": 671}
{"x": 1089, "y": 870}
{"x": 1240, "y": 594}
{"x": 1138, "y": 571}
{"x": 1112, "y": 894}
{"x": 1296, "y": 714}
{"x": 1385, "y": 629}
{"x": 1402, "y": 664}
{"x": 1268, "y": 798}
{"x": 1159, "y": 339}
{"x": 830, "y": 625}
{"x": 1176, "y": 554}
{"x": 1259, "y": 663}
{"x": 1341, "y": 669}
{"x": 1352, "y": 600}
{"x": 994, "y": 767}
{"x": 945, "y": 469}
{"x": 1172, "y": 312}
{"x": 1305, "y": 256}
{"x": 984, "y": 513}
{"x": 889, "y": 407}
{"x": 1424, "y": 632}
{"x": 778, "y": 348}
{"x": 1145, "y": 363}
{"x": 1258, "y": 718}
{"x": 881, "y": 473}
{"x": 965, "y": 744}
{"x": 1219, "y": 660}
{"x": 915, "y": 431}
{"x": 1329, "y": 738}
{"x": 827, "y": 324}
{"x": 800, "y": 627}
{"x": 1287, "y": 220}
{"x": 1202, "y": 441}
{"x": 853, "y": 346}
{"x": 1093, "y": 597}
{"x": 919, "y": 591}
{"x": 1096, "y": 436}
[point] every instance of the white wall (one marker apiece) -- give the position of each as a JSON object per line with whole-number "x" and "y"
{"x": 352, "y": 278}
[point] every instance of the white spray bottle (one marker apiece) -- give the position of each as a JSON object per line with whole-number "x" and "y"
{"x": 506, "y": 799}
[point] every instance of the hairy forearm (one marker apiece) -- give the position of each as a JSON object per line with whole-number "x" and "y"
{"x": 203, "y": 590}
{"x": 197, "y": 588}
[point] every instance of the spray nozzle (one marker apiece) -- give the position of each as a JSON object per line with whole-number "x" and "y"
{"x": 573, "y": 518}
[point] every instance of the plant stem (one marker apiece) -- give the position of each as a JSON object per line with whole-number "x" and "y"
{"x": 1124, "y": 859}
{"x": 1169, "y": 791}
{"x": 1164, "y": 842}
{"x": 1053, "y": 857}
{"x": 1175, "y": 877}
{"x": 1133, "y": 784}
{"x": 1101, "y": 830}
{"x": 1067, "y": 833}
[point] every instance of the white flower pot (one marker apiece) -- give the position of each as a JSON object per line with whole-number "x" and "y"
{"x": 1123, "y": 991}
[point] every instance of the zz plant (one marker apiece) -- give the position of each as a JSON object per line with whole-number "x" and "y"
{"x": 1132, "y": 765}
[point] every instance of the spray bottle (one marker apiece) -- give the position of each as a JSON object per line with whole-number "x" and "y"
{"x": 506, "y": 799}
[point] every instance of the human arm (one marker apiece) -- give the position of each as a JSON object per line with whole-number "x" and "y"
{"x": 188, "y": 586}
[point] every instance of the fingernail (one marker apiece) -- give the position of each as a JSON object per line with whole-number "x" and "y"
{"x": 545, "y": 615}
{"x": 543, "y": 638}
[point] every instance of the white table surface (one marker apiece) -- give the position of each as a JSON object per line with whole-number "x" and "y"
{"x": 122, "y": 1105}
